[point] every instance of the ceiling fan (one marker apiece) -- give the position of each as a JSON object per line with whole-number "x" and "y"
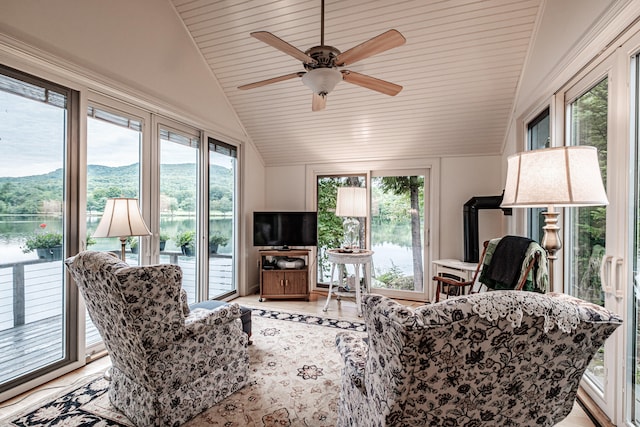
{"x": 323, "y": 64}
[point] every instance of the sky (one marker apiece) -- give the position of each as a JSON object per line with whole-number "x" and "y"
{"x": 32, "y": 139}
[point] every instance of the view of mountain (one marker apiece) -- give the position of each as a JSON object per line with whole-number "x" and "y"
{"x": 38, "y": 194}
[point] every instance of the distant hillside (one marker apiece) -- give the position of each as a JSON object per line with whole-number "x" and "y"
{"x": 43, "y": 193}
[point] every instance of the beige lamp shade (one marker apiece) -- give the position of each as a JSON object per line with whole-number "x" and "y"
{"x": 121, "y": 218}
{"x": 352, "y": 202}
{"x": 563, "y": 176}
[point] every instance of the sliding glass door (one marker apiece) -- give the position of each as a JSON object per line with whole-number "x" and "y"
{"x": 222, "y": 248}
{"x": 394, "y": 229}
{"x": 590, "y": 237}
{"x": 397, "y": 234}
{"x": 35, "y": 315}
{"x": 330, "y": 226}
{"x": 114, "y": 144}
{"x": 179, "y": 154}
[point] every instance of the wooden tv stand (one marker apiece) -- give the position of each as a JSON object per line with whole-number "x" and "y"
{"x": 283, "y": 283}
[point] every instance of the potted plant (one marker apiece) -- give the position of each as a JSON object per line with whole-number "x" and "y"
{"x": 133, "y": 244}
{"x": 215, "y": 240}
{"x": 47, "y": 244}
{"x": 185, "y": 241}
{"x": 163, "y": 240}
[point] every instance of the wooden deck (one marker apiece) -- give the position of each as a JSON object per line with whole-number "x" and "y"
{"x": 31, "y": 308}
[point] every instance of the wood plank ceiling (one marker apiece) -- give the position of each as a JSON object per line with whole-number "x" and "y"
{"x": 459, "y": 68}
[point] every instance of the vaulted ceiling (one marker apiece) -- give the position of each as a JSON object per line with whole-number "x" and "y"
{"x": 459, "y": 69}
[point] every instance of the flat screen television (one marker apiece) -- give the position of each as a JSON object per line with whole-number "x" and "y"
{"x": 285, "y": 229}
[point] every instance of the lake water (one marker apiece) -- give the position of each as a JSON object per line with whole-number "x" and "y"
{"x": 14, "y": 230}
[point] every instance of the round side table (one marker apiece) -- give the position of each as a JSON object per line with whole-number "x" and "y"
{"x": 341, "y": 259}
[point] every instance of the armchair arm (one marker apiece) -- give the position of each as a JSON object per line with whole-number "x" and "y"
{"x": 184, "y": 301}
{"x": 354, "y": 351}
{"x": 449, "y": 281}
{"x": 200, "y": 318}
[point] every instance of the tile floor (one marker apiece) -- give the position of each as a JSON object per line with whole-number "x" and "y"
{"x": 343, "y": 309}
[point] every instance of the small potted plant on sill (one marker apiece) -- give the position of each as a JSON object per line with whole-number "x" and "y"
{"x": 215, "y": 241}
{"x": 133, "y": 244}
{"x": 163, "y": 240}
{"x": 185, "y": 241}
{"x": 47, "y": 244}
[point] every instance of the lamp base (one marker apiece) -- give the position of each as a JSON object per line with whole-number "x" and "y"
{"x": 551, "y": 239}
{"x": 123, "y": 241}
{"x": 351, "y": 228}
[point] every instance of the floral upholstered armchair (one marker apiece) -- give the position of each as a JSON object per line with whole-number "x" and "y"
{"x": 502, "y": 358}
{"x": 169, "y": 363}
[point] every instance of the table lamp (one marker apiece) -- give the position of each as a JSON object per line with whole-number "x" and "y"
{"x": 351, "y": 204}
{"x": 554, "y": 177}
{"x": 121, "y": 218}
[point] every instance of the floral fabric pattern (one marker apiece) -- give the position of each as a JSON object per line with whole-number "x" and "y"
{"x": 169, "y": 364}
{"x": 503, "y": 358}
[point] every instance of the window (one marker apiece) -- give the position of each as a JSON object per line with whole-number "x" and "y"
{"x": 537, "y": 138}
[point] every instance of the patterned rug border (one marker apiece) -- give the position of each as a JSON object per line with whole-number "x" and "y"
{"x": 66, "y": 404}
{"x": 310, "y": 319}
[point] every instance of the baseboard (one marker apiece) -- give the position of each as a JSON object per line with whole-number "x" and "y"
{"x": 599, "y": 418}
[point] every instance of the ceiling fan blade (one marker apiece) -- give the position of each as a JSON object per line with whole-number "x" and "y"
{"x": 385, "y": 41}
{"x": 318, "y": 102}
{"x": 273, "y": 80}
{"x": 372, "y": 83}
{"x": 283, "y": 46}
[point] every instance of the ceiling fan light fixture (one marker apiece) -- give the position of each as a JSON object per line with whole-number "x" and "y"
{"x": 322, "y": 80}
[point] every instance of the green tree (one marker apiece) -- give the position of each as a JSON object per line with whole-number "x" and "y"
{"x": 589, "y": 125}
{"x": 411, "y": 186}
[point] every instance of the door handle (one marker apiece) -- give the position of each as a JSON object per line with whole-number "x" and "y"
{"x": 605, "y": 274}
{"x": 609, "y": 277}
{"x": 616, "y": 278}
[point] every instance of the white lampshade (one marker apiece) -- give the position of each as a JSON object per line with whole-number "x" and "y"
{"x": 322, "y": 80}
{"x": 121, "y": 218}
{"x": 352, "y": 201}
{"x": 563, "y": 176}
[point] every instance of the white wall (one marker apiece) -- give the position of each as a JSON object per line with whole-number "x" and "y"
{"x": 463, "y": 178}
{"x": 560, "y": 34}
{"x": 285, "y": 188}
{"x": 253, "y": 199}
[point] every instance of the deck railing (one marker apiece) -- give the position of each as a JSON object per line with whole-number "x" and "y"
{"x": 32, "y": 302}
{"x": 32, "y": 290}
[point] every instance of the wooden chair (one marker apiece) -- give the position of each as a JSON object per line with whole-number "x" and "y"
{"x": 452, "y": 287}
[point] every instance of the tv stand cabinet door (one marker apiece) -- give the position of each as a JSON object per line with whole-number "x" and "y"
{"x": 273, "y": 282}
{"x": 296, "y": 283}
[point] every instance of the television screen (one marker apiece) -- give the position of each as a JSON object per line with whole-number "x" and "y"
{"x": 285, "y": 229}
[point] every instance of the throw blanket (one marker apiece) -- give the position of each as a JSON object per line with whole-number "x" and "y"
{"x": 506, "y": 261}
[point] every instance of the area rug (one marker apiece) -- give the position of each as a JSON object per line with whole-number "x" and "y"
{"x": 294, "y": 381}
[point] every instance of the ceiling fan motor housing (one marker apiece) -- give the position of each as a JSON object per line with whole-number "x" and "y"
{"x": 325, "y": 57}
